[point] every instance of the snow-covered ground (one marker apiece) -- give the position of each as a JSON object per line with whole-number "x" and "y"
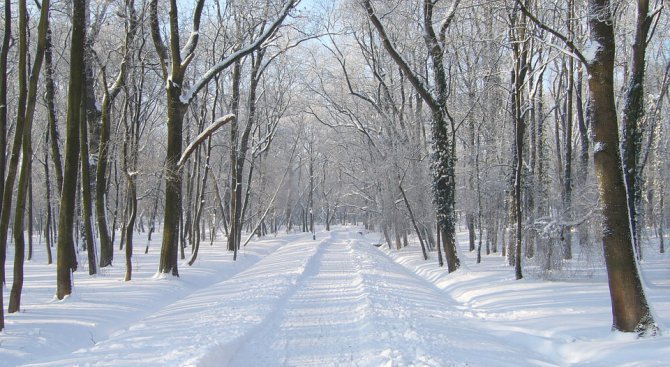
{"x": 336, "y": 301}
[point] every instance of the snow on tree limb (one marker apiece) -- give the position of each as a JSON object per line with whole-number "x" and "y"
{"x": 574, "y": 51}
{"x": 237, "y": 55}
{"x": 420, "y": 87}
{"x": 202, "y": 137}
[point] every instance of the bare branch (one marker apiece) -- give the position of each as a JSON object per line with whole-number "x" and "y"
{"x": 447, "y": 21}
{"x": 192, "y": 42}
{"x": 202, "y": 137}
{"x": 156, "y": 36}
{"x": 574, "y": 51}
{"x": 239, "y": 54}
{"x": 423, "y": 91}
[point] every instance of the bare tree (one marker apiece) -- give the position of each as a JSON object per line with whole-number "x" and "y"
{"x": 174, "y": 64}
{"x": 630, "y": 309}
{"x": 442, "y": 126}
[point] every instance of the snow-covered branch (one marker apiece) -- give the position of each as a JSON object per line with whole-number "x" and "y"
{"x": 239, "y": 54}
{"x": 203, "y": 136}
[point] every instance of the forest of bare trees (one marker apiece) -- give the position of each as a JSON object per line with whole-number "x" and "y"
{"x": 538, "y": 127}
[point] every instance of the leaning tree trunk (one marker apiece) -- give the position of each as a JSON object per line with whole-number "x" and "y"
{"x": 630, "y": 309}
{"x": 25, "y": 112}
{"x": 443, "y": 152}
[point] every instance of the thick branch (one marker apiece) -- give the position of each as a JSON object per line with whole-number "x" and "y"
{"x": 423, "y": 91}
{"x": 202, "y": 137}
{"x": 192, "y": 42}
{"x": 447, "y": 21}
{"x": 156, "y": 36}
{"x": 239, "y": 54}
{"x": 573, "y": 49}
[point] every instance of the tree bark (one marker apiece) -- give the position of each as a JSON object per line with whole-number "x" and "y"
{"x": 49, "y": 96}
{"x": 443, "y": 150}
{"x": 47, "y": 189}
{"x": 66, "y": 258}
{"x": 630, "y": 309}
{"x": 632, "y": 113}
{"x": 87, "y": 200}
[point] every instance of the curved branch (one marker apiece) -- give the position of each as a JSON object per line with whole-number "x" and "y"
{"x": 239, "y": 54}
{"x": 423, "y": 91}
{"x": 156, "y": 36}
{"x": 202, "y": 137}
{"x": 573, "y": 49}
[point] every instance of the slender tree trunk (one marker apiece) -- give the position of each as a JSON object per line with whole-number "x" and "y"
{"x": 106, "y": 244}
{"x": 49, "y": 96}
{"x": 132, "y": 207}
{"x": 235, "y": 183}
{"x": 4, "y": 52}
{"x": 87, "y": 200}
{"x": 416, "y": 228}
{"x": 30, "y": 215}
{"x": 201, "y": 200}
{"x": 18, "y": 137}
{"x": 47, "y": 189}
{"x": 66, "y": 258}
{"x": 632, "y": 113}
{"x": 661, "y": 224}
{"x": 440, "y": 261}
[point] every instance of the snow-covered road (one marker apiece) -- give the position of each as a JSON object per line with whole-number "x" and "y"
{"x": 334, "y": 301}
{"x": 337, "y": 301}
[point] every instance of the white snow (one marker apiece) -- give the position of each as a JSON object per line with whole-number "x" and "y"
{"x": 336, "y": 301}
{"x": 591, "y": 49}
{"x": 598, "y": 147}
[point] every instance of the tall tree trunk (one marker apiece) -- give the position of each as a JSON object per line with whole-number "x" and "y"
{"x": 630, "y": 309}
{"x": 87, "y": 200}
{"x": 25, "y": 115}
{"x": 18, "y": 137}
{"x": 49, "y": 96}
{"x": 170, "y": 245}
{"x": 633, "y": 111}
{"x": 235, "y": 176}
{"x": 47, "y": 189}
{"x": 66, "y": 259}
{"x": 4, "y": 52}
{"x": 443, "y": 147}
{"x": 106, "y": 244}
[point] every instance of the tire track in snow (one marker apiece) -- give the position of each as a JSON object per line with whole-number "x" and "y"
{"x": 324, "y": 320}
{"x": 206, "y": 328}
{"x": 420, "y": 325}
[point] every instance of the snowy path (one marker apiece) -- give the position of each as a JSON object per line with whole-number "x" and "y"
{"x": 339, "y": 301}
{"x": 321, "y": 322}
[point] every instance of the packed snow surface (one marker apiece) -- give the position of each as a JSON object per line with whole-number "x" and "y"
{"x": 334, "y": 301}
